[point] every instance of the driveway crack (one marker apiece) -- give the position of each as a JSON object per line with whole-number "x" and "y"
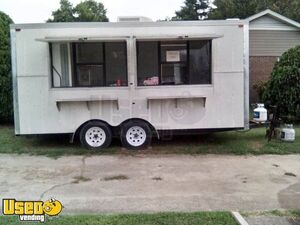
{"x": 78, "y": 178}
{"x": 52, "y": 188}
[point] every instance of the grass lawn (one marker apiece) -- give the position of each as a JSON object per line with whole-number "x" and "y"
{"x": 233, "y": 142}
{"x": 203, "y": 218}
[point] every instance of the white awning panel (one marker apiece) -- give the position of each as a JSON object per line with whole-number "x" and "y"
{"x": 180, "y": 37}
{"x": 81, "y": 39}
{"x": 110, "y": 38}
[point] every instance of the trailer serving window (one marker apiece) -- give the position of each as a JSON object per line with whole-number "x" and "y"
{"x": 89, "y": 64}
{"x": 174, "y": 62}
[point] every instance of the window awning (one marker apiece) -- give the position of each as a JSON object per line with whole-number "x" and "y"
{"x": 81, "y": 39}
{"x": 110, "y": 38}
{"x": 181, "y": 37}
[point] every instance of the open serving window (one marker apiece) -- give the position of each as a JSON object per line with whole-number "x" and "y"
{"x": 89, "y": 64}
{"x": 103, "y": 63}
{"x": 173, "y": 62}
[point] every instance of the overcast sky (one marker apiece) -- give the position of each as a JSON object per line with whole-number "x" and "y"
{"x": 38, "y": 11}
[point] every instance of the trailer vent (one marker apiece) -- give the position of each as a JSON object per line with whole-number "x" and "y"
{"x": 133, "y": 19}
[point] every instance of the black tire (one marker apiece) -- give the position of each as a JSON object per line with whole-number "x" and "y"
{"x": 95, "y": 139}
{"x": 141, "y": 137}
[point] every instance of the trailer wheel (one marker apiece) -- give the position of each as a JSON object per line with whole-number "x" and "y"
{"x": 136, "y": 135}
{"x": 95, "y": 135}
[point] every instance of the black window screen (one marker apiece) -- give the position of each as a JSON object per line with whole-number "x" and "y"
{"x": 90, "y": 75}
{"x": 116, "y": 64}
{"x": 100, "y": 64}
{"x": 148, "y": 61}
{"x": 89, "y": 52}
{"x": 199, "y": 62}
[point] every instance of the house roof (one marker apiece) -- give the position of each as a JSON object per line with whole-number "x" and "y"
{"x": 275, "y": 16}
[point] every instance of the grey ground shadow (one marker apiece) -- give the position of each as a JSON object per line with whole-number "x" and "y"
{"x": 289, "y": 198}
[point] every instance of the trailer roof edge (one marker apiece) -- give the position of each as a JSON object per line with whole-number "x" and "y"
{"x": 128, "y": 24}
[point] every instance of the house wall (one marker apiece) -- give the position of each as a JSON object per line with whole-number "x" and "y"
{"x": 272, "y": 42}
{"x": 268, "y": 40}
{"x": 260, "y": 69}
{"x": 269, "y": 22}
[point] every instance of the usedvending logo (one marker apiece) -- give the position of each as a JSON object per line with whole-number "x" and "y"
{"x": 31, "y": 210}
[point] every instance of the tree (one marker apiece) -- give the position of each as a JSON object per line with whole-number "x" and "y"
{"x": 283, "y": 88}
{"x": 233, "y": 9}
{"x": 288, "y": 8}
{"x": 6, "y": 105}
{"x": 86, "y": 11}
{"x": 89, "y": 11}
{"x": 64, "y": 13}
{"x": 193, "y": 10}
{"x": 245, "y": 8}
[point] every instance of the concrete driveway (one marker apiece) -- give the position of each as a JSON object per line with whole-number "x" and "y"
{"x": 154, "y": 183}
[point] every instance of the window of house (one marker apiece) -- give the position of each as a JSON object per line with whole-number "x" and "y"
{"x": 174, "y": 62}
{"x": 93, "y": 64}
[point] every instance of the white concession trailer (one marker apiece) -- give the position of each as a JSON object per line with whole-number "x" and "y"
{"x": 133, "y": 80}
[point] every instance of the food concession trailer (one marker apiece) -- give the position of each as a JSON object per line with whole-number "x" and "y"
{"x": 133, "y": 80}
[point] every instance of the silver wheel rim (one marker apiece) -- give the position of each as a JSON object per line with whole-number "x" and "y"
{"x": 136, "y": 136}
{"x": 95, "y": 136}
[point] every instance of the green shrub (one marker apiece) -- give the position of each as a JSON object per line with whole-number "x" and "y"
{"x": 6, "y": 102}
{"x": 283, "y": 88}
